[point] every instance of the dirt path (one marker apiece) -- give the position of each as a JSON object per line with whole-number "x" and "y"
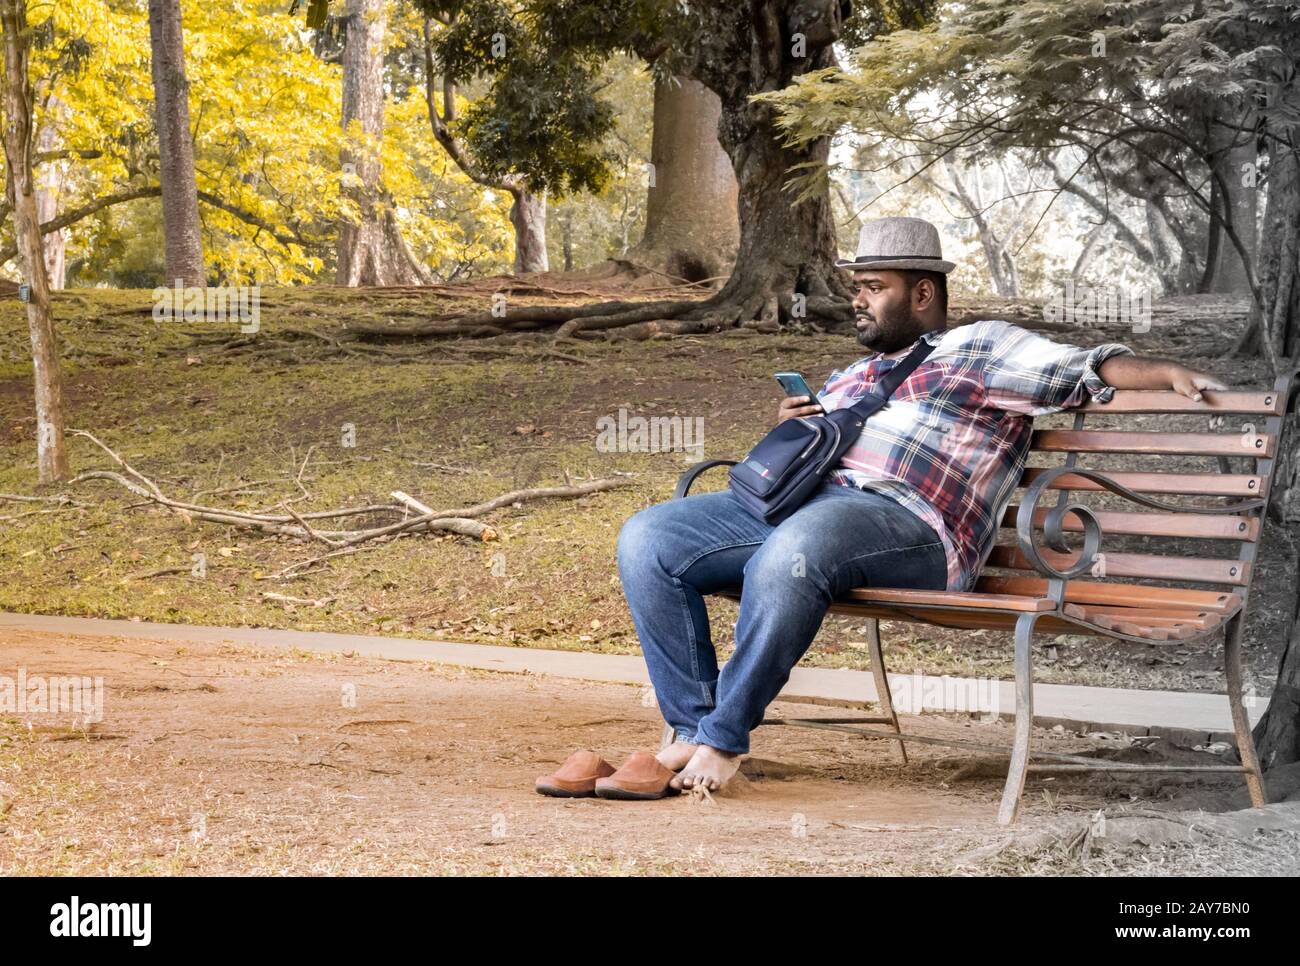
{"x": 212, "y": 759}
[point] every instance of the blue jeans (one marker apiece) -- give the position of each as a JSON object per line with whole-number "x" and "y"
{"x": 671, "y": 554}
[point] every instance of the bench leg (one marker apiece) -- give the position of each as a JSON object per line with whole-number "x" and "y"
{"x": 1015, "y": 785}
{"x": 883, "y": 695}
{"x": 1240, "y": 722}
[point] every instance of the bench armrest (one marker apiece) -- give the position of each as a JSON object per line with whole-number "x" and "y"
{"x": 687, "y": 478}
{"x": 1052, "y": 530}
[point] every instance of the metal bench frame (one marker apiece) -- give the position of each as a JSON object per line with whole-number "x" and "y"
{"x": 1029, "y": 539}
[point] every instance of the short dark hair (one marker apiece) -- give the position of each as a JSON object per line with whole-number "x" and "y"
{"x": 940, "y": 280}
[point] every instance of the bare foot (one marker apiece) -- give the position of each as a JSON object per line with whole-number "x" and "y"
{"x": 676, "y": 755}
{"x": 709, "y": 768}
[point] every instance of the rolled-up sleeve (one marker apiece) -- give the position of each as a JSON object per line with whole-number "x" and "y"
{"x": 1034, "y": 376}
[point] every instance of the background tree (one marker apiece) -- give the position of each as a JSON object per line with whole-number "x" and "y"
{"x": 690, "y": 218}
{"x": 180, "y": 201}
{"x": 266, "y": 122}
{"x": 371, "y": 250}
{"x": 20, "y": 191}
{"x": 527, "y": 208}
{"x": 1125, "y": 88}
{"x": 786, "y": 249}
{"x": 538, "y": 129}
{"x": 692, "y": 228}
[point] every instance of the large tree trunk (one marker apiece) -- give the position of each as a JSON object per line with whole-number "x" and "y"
{"x": 1275, "y": 328}
{"x": 528, "y": 215}
{"x": 1277, "y": 734}
{"x": 51, "y": 455}
{"x": 1236, "y": 158}
{"x": 371, "y": 250}
{"x": 785, "y": 259}
{"x": 786, "y": 250}
{"x": 180, "y": 200}
{"x": 692, "y": 228}
{"x": 49, "y": 188}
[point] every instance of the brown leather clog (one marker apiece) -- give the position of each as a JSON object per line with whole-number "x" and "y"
{"x": 576, "y": 778}
{"x": 640, "y": 778}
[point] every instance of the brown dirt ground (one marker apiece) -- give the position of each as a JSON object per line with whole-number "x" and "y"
{"x": 216, "y": 759}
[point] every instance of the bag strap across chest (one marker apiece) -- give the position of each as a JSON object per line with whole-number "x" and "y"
{"x": 876, "y": 398}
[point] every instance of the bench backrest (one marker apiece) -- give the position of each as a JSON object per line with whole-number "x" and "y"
{"x": 1231, "y": 460}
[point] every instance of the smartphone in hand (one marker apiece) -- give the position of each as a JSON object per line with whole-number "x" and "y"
{"x": 794, "y": 385}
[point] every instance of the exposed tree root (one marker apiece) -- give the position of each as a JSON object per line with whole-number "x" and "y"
{"x": 756, "y": 302}
{"x": 304, "y": 345}
{"x": 764, "y": 307}
{"x": 405, "y": 324}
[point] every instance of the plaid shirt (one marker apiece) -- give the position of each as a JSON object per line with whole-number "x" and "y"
{"x": 951, "y": 444}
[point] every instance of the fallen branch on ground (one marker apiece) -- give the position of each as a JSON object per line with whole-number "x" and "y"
{"x": 285, "y": 599}
{"x": 296, "y": 526}
{"x": 18, "y": 497}
{"x": 162, "y": 572}
{"x": 63, "y": 504}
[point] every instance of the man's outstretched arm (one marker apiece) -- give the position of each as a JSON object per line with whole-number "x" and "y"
{"x": 1147, "y": 372}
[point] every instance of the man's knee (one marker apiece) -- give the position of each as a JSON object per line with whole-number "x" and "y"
{"x": 640, "y": 539}
{"x": 787, "y": 562}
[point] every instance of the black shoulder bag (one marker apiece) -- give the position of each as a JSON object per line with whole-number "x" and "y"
{"x": 789, "y": 463}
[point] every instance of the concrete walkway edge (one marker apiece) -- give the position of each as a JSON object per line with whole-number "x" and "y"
{"x": 1189, "y": 717}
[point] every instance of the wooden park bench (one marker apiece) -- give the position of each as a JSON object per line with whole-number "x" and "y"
{"x": 1036, "y": 583}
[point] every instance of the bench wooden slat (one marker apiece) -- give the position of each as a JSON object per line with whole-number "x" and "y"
{"x": 1185, "y": 484}
{"x": 1117, "y": 595}
{"x": 1154, "y": 617}
{"x": 897, "y": 595}
{"x": 1151, "y": 401}
{"x": 1128, "y": 441}
{"x": 1201, "y": 570}
{"x": 1137, "y": 623}
{"x": 1151, "y": 633}
{"x": 981, "y": 616}
{"x": 988, "y": 620}
{"x": 1006, "y": 621}
{"x": 1021, "y": 594}
{"x": 1229, "y": 526}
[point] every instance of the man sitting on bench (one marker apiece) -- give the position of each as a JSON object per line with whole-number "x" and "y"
{"x": 913, "y": 502}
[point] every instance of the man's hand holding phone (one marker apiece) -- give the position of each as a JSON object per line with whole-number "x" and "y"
{"x": 793, "y": 406}
{"x": 799, "y": 401}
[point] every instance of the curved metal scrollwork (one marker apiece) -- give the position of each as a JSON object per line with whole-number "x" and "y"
{"x": 1054, "y": 519}
{"x": 1054, "y": 530}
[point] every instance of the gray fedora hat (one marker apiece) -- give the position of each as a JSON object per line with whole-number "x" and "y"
{"x": 898, "y": 243}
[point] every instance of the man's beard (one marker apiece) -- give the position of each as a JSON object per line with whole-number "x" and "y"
{"x": 895, "y": 329}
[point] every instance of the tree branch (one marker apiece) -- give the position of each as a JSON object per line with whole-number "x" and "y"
{"x": 155, "y": 191}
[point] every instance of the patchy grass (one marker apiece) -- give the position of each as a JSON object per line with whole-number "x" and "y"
{"x": 195, "y": 419}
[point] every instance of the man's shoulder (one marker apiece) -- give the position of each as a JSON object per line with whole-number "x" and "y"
{"x": 984, "y": 337}
{"x": 857, "y": 365}
{"x": 984, "y": 329}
